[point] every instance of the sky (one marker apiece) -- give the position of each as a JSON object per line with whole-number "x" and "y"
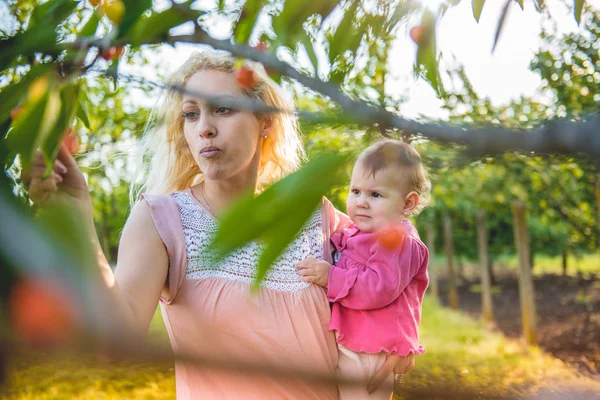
{"x": 501, "y": 76}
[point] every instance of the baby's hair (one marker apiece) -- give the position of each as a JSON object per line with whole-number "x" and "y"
{"x": 385, "y": 153}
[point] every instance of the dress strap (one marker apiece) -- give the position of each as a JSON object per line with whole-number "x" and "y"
{"x": 167, "y": 220}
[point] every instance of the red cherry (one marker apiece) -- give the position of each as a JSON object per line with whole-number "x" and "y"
{"x": 418, "y": 35}
{"x": 41, "y": 313}
{"x": 391, "y": 238}
{"x": 71, "y": 140}
{"x": 261, "y": 46}
{"x": 245, "y": 77}
{"x": 112, "y": 53}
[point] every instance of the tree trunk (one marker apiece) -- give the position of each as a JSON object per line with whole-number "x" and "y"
{"x": 433, "y": 280}
{"x": 564, "y": 262}
{"x": 487, "y": 311}
{"x": 526, "y": 293}
{"x": 452, "y": 292}
{"x": 598, "y": 209}
{"x": 491, "y": 271}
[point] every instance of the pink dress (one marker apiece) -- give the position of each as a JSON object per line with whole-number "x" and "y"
{"x": 210, "y": 311}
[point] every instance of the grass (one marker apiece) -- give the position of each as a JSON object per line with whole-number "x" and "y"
{"x": 585, "y": 264}
{"x": 460, "y": 354}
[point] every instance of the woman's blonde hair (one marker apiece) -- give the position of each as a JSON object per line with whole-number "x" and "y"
{"x": 168, "y": 164}
{"x": 386, "y": 153}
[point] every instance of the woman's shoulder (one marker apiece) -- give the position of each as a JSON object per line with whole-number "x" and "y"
{"x": 336, "y": 219}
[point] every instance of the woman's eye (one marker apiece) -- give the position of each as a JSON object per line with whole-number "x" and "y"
{"x": 223, "y": 110}
{"x": 190, "y": 115}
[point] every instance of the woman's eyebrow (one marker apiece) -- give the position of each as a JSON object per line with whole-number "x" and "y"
{"x": 214, "y": 99}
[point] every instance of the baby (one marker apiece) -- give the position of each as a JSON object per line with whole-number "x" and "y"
{"x": 377, "y": 284}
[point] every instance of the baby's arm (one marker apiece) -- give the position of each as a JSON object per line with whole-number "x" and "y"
{"x": 385, "y": 277}
{"x": 314, "y": 271}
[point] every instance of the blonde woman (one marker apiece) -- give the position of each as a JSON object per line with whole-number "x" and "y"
{"x": 202, "y": 158}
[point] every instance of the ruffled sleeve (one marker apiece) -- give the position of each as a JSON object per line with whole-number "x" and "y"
{"x": 165, "y": 215}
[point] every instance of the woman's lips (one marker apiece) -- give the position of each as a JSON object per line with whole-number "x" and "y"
{"x": 210, "y": 151}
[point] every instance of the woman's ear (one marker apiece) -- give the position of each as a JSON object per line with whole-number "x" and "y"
{"x": 267, "y": 123}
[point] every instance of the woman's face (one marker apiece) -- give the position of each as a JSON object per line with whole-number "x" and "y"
{"x": 224, "y": 142}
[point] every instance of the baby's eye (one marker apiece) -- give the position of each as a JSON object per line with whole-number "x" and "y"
{"x": 223, "y": 110}
{"x": 376, "y": 195}
{"x": 190, "y": 115}
{"x": 355, "y": 192}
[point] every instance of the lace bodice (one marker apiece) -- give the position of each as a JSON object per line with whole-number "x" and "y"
{"x": 199, "y": 228}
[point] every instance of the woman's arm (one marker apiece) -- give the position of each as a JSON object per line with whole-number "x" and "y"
{"x": 141, "y": 272}
{"x": 127, "y": 299}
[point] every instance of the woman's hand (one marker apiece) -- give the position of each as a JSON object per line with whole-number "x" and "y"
{"x": 397, "y": 364}
{"x": 64, "y": 185}
{"x": 314, "y": 271}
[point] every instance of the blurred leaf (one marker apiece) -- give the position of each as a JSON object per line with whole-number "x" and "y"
{"x": 90, "y": 27}
{"x": 344, "y": 37}
{"x": 277, "y": 214}
{"x": 22, "y": 137}
{"x": 426, "y": 52}
{"x": 501, "y": 23}
{"x": 245, "y": 24}
{"x": 14, "y": 94}
{"x": 157, "y": 25}
{"x": 51, "y": 13}
{"x": 520, "y": 3}
{"x": 477, "y": 8}
{"x": 51, "y": 144}
{"x": 288, "y": 24}
{"x": 41, "y": 39}
{"x": 133, "y": 10}
{"x": 82, "y": 110}
{"x": 578, "y": 8}
{"x": 310, "y": 50}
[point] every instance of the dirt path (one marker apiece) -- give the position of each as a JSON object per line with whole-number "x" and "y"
{"x": 568, "y": 311}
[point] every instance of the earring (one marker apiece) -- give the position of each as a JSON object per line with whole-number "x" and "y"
{"x": 265, "y": 136}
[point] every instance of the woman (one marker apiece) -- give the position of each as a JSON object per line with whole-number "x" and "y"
{"x": 204, "y": 158}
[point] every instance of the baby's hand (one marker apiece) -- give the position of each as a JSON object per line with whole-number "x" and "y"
{"x": 314, "y": 271}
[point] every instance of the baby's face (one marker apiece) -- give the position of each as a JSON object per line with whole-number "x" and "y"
{"x": 375, "y": 202}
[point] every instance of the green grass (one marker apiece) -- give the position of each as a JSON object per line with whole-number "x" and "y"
{"x": 585, "y": 264}
{"x": 460, "y": 353}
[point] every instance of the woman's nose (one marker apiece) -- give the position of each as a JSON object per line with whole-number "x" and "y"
{"x": 206, "y": 127}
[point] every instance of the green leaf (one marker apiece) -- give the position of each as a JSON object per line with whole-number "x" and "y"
{"x": 276, "y": 215}
{"x": 577, "y": 9}
{"x": 156, "y": 26}
{"x": 427, "y": 52}
{"x": 14, "y": 94}
{"x": 310, "y": 50}
{"x": 90, "y": 27}
{"x": 82, "y": 110}
{"x": 520, "y": 2}
{"x": 501, "y": 23}
{"x": 51, "y": 143}
{"x": 51, "y": 13}
{"x": 288, "y": 24}
{"x": 344, "y": 36}
{"x": 245, "y": 24}
{"x": 133, "y": 10}
{"x": 477, "y": 8}
{"x": 22, "y": 137}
